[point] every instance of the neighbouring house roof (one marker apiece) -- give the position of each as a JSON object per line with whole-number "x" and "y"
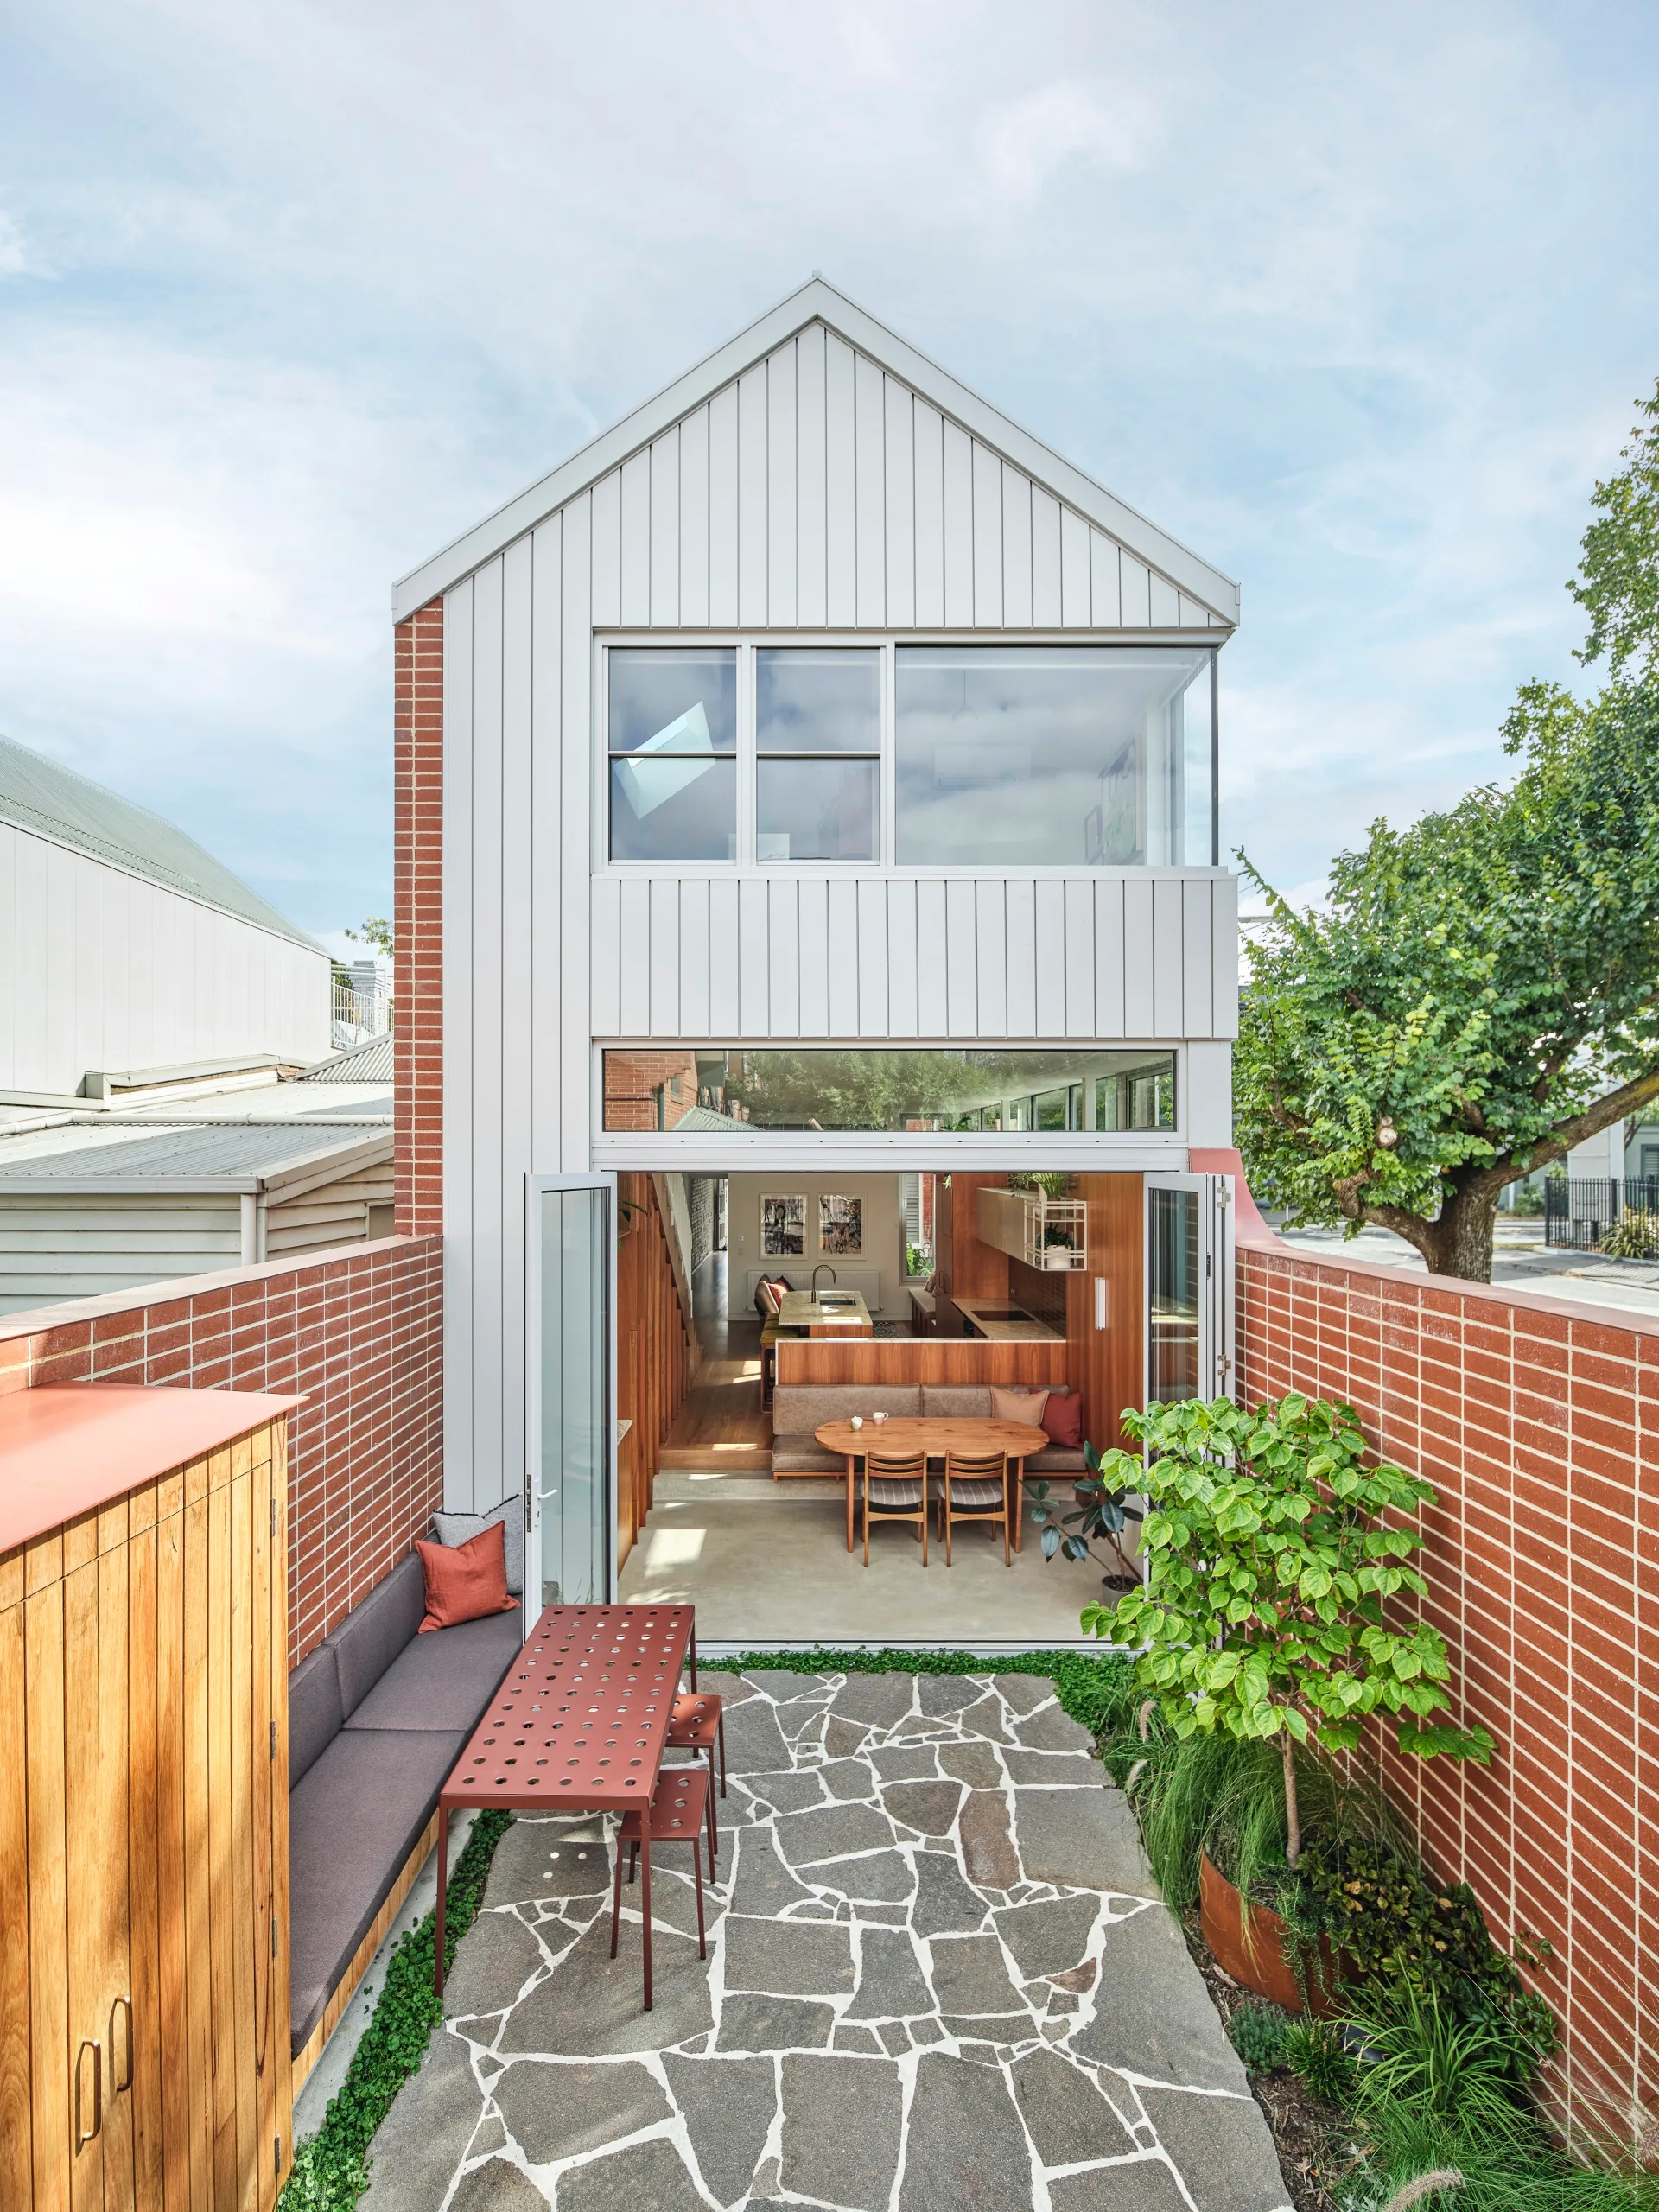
{"x": 701, "y": 1120}
{"x": 41, "y": 795}
{"x": 229, "y": 1157}
{"x": 369, "y": 1062}
{"x": 817, "y": 301}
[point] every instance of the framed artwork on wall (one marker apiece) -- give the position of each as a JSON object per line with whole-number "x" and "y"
{"x": 782, "y": 1228}
{"x": 840, "y": 1224}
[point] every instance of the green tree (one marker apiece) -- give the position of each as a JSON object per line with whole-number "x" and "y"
{"x": 1482, "y": 991}
{"x": 1272, "y": 1554}
{"x": 376, "y": 933}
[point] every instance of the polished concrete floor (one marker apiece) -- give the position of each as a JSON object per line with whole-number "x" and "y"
{"x": 767, "y": 1562}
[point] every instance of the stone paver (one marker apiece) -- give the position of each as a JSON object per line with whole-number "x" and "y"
{"x": 938, "y": 1976}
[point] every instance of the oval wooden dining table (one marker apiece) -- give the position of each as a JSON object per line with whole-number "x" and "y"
{"x": 905, "y": 1432}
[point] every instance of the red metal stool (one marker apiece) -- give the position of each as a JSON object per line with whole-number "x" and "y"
{"x": 699, "y": 1724}
{"x": 678, "y": 1809}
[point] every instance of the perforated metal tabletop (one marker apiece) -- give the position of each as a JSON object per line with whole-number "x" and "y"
{"x": 578, "y": 1725}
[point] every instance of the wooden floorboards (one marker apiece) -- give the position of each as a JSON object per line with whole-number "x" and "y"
{"x": 722, "y": 1426}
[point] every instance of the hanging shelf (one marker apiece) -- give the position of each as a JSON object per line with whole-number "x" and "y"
{"x": 1048, "y": 1233}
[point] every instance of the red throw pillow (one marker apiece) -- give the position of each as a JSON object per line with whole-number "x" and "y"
{"x": 466, "y": 1581}
{"x": 1063, "y": 1419}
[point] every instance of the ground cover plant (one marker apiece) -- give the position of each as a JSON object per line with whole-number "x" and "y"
{"x": 330, "y": 2172}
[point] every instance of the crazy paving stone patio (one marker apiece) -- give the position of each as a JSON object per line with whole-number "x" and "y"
{"x": 938, "y": 1979}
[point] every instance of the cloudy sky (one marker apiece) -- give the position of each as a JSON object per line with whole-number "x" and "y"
{"x": 1355, "y": 301}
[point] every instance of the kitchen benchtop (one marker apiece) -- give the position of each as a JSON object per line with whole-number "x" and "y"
{"x": 1027, "y": 1331}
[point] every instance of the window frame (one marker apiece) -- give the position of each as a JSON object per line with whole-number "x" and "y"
{"x": 747, "y": 643}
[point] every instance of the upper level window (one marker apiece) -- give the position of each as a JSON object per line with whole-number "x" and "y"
{"x": 817, "y": 742}
{"x": 673, "y": 746}
{"x": 1052, "y": 756}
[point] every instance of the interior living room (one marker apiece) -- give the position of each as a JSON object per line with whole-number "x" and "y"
{"x": 888, "y": 1298}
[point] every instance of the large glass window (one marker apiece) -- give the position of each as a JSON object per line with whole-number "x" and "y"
{"x": 818, "y": 737}
{"x": 702, "y": 1089}
{"x": 1054, "y": 756}
{"x": 673, "y": 745}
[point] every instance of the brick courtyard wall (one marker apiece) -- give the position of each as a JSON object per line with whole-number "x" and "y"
{"x": 417, "y": 920}
{"x": 359, "y": 1335}
{"x": 1537, "y": 1422}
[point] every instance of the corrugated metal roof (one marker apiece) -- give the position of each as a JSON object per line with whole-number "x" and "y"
{"x": 369, "y": 1062}
{"x": 38, "y": 794}
{"x": 175, "y": 1157}
{"x": 701, "y": 1120}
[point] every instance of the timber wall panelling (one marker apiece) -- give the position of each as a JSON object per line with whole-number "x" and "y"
{"x": 144, "y": 1996}
{"x": 655, "y": 1349}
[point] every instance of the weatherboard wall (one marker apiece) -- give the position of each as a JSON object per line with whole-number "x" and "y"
{"x": 101, "y": 968}
{"x": 815, "y": 492}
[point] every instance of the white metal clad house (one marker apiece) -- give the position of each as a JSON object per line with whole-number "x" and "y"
{"x": 816, "y": 704}
{"x": 124, "y": 945}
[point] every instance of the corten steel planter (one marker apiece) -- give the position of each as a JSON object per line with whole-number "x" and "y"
{"x": 1262, "y": 1961}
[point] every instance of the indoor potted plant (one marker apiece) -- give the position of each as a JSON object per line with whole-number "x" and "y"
{"x": 1269, "y": 1561}
{"x": 1058, "y": 1245}
{"x": 1103, "y": 1513}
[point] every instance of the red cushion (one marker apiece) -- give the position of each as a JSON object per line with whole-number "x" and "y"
{"x": 1063, "y": 1419}
{"x": 466, "y": 1581}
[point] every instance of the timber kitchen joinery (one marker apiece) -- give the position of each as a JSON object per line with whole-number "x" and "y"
{"x": 143, "y": 1829}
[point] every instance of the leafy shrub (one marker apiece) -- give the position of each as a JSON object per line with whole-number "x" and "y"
{"x": 1315, "y": 2053}
{"x": 1527, "y": 1201}
{"x": 1632, "y": 1237}
{"x": 1258, "y": 2033}
{"x": 1391, "y": 1923}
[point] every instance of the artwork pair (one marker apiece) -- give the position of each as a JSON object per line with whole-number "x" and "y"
{"x": 783, "y": 1226}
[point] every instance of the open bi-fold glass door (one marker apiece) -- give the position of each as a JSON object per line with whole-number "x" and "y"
{"x": 1189, "y": 1287}
{"x": 570, "y": 1408}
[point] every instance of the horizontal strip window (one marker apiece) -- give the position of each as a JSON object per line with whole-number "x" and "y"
{"x": 706, "y": 1091}
{"x": 957, "y": 756}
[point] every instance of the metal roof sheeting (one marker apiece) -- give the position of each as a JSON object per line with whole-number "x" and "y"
{"x": 229, "y": 1157}
{"x": 38, "y": 794}
{"x": 369, "y": 1062}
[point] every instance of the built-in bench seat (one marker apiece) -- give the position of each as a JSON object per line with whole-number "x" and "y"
{"x": 800, "y": 1408}
{"x": 377, "y": 1717}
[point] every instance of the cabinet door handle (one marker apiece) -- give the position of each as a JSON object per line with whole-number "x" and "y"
{"x": 124, "y": 2006}
{"x": 82, "y": 2133}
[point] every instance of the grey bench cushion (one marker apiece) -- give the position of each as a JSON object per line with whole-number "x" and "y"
{"x": 804, "y": 1455}
{"x": 454, "y": 1528}
{"x": 353, "y": 1820}
{"x": 445, "y": 1679}
{"x": 1056, "y": 1459}
{"x": 372, "y": 1634}
{"x": 799, "y": 1408}
{"x": 313, "y": 1711}
{"x": 955, "y": 1401}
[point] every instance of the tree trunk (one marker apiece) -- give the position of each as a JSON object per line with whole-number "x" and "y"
{"x": 1292, "y": 1815}
{"x": 1459, "y": 1243}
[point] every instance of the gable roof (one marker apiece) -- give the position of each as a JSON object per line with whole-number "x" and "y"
{"x": 817, "y": 301}
{"x": 38, "y": 795}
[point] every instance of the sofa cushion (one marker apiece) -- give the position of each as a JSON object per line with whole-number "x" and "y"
{"x": 1056, "y": 1459}
{"x": 1025, "y": 1406}
{"x": 798, "y": 1408}
{"x": 465, "y": 1582}
{"x": 1062, "y": 1418}
{"x": 313, "y": 1711}
{"x": 372, "y": 1634}
{"x": 454, "y": 1528}
{"x": 353, "y": 1820}
{"x": 445, "y": 1679}
{"x": 955, "y": 1401}
{"x": 804, "y": 1455}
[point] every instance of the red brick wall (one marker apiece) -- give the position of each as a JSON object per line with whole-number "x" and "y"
{"x": 633, "y": 1080}
{"x": 1538, "y": 1424}
{"x": 417, "y": 910}
{"x": 360, "y": 1336}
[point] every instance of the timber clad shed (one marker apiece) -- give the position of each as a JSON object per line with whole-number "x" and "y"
{"x": 112, "y": 1211}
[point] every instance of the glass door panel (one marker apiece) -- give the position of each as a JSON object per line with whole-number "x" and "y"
{"x": 571, "y": 1424}
{"x": 1189, "y": 1287}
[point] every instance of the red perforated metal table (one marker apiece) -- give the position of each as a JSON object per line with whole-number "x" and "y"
{"x": 578, "y": 1725}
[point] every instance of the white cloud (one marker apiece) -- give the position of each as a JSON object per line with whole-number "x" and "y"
{"x": 1028, "y": 141}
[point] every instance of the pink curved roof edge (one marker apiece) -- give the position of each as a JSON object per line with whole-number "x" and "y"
{"x": 66, "y": 1447}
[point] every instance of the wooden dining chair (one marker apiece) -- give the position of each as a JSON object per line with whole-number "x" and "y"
{"x": 974, "y": 1488}
{"x": 895, "y": 1488}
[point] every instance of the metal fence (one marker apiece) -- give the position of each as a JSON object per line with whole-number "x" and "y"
{"x": 1581, "y": 1210}
{"x": 362, "y": 1006}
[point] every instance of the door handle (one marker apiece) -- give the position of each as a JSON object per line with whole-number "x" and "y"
{"x": 122, "y": 2005}
{"x": 82, "y": 2133}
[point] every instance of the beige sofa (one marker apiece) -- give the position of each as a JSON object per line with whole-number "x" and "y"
{"x": 798, "y": 1409}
